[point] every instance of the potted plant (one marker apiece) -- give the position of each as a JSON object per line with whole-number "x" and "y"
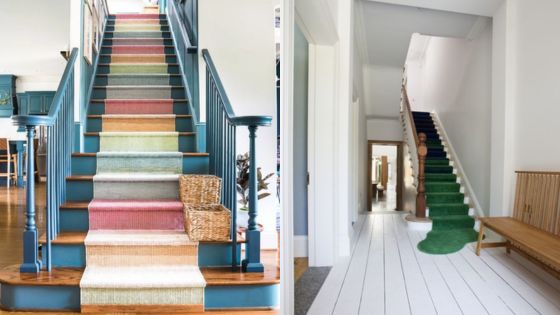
{"x": 242, "y": 164}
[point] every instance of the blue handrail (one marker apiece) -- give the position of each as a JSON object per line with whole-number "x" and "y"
{"x": 187, "y": 55}
{"x": 59, "y": 121}
{"x": 221, "y": 144}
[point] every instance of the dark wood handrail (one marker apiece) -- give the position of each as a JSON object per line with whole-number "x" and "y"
{"x": 409, "y": 110}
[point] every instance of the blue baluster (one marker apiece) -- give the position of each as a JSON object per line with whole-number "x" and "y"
{"x": 31, "y": 261}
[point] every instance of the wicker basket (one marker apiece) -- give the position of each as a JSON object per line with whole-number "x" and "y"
{"x": 207, "y": 222}
{"x": 205, "y": 218}
{"x": 200, "y": 189}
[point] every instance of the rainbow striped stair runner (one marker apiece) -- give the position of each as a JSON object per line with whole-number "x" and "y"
{"x": 122, "y": 245}
{"x": 138, "y": 256}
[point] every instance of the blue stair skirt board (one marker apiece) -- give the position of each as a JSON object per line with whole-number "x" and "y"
{"x": 55, "y": 298}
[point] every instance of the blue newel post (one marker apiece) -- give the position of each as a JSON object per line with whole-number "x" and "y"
{"x": 31, "y": 262}
{"x": 252, "y": 261}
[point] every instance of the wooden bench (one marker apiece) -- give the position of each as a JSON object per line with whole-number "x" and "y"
{"x": 534, "y": 229}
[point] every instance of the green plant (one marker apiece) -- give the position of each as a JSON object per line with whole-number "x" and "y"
{"x": 242, "y": 164}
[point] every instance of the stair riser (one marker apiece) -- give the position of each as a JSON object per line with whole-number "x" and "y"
{"x": 138, "y": 69}
{"x": 137, "y": 21}
{"x": 138, "y": 58}
{"x": 135, "y": 16}
{"x": 440, "y": 162}
{"x": 67, "y": 298}
{"x": 135, "y": 49}
{"x": 137, "y": 41}
{"x": 87, "y": 165}
{"x": 449, "y": 225}
{"x": 132, "y": 107}
{"x": 141, "y": 256}
{"x": 452, "y": 210}
{"x": 209, "y": 255}
{"x": 185, "y": 144}
{"x": 142, "y": 296}
{"x": 137, "y": 79}
{"x": 139, "y": 124}
{"x": 137, "y": 34}
{"x": 136, "y": 220}
{"x": 441, "y": 178}
{"x": 120, "y": 27}
{"x": 439, "y": 170}
{"x": 455, "y": 198}
{"x": 440, "y": 154}
{"x": 139, "y": 164}
{"x": 136, "y": 190}
{"x": 119, "y": 93}
{"x": 435, "y": 188}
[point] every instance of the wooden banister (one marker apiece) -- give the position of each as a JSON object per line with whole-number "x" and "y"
{"x": 421, "y": 189}
{"x": 409, "y": 110}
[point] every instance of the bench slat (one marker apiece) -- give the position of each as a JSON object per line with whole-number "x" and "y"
{"x": 546, "y": 245}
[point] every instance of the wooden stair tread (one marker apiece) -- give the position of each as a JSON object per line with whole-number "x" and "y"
{"x": 155, "y": 63}
{"x": 139, "y": 87}
{"x": 180, "y": 100}
{"x": 222, "y": 276}
{"x": 96, "y": 134}
{"x": 71, "y": 205}
{"x": 143, "y": 74}
{"x": 137, "y": 55}
{"x": 139, "y": 115}
{"x": 184, "y": 154}
{"x": 66, "y": 238}
{"x": 77, "y": 238}
{"x": 58, "y": 277}
{"x": 78, "y": 178}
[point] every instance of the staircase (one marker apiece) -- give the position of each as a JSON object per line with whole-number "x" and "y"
{"x": 138, "y": 256}
{"x": 452, "y": 226}
{"x": 122, "y": 245}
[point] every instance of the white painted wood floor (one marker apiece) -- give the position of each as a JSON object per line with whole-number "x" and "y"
{"x": 386, "y": 274}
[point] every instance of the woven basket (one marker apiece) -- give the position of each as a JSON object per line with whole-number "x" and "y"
{"x": 205, "y": 218}
{"x": 207, "y": 222}
{"x": 200, "y": 189}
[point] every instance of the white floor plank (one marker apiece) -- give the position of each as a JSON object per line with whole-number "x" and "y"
{"x": 396, "y": 295}
{"x": 326, "y": 299}
{"x": 348, "y": 301}
{"x": 511, "y": 298}
{"x": 551, "y": 293}
{"x": 540, "y": 303}
{"x": 444, "y": 300}
{"x": 387, "y": 274}
{"x": 419, "y": 296}
{"x": 373, "y": 294}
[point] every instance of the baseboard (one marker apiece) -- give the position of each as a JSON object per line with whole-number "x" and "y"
{"x": 300, "y": 246}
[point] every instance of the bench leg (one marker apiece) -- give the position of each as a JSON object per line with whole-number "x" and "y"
{"x": 480, "y": 236}
{"x": 508, "y": 247}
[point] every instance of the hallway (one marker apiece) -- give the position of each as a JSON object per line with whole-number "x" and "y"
{"x": 395, "y": 278}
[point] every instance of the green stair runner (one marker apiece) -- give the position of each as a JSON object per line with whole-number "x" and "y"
{"x": 452, "y": 227}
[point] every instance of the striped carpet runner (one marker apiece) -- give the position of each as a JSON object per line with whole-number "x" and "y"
{"x": 138, "y": 256}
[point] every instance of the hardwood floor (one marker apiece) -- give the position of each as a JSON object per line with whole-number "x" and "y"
{"x": 386, "y": 274}
{"x": 12, "y": 221}
{"x": 300, "y": 266}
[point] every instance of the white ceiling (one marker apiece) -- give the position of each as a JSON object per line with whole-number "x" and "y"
{"x": 475, "y": 7}
{"x": 388, "y": 28}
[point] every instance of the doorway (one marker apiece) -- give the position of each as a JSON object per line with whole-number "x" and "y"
{"x": 385, "y": 175}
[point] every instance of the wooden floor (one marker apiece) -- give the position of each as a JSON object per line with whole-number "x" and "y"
{"x": 12, "y": 222}
{"x": 386, "y": 274}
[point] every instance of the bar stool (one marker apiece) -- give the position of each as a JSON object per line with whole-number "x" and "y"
{"x": 7, "y": 157}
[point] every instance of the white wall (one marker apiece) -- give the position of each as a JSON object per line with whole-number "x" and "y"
{"x": 240, "y": 39}
{"x": 382, "y": 90}
{"x": 384, "y": 129}
{"x": 526, "y": 122}
{"x": 34, "y": 34}
{"x": 456, "y": 82}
